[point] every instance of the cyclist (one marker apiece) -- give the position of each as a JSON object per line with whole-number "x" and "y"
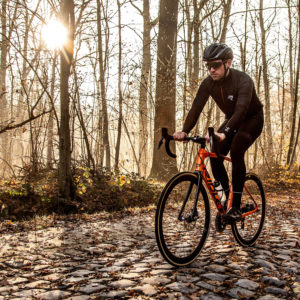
{"x": 234, "y": 93}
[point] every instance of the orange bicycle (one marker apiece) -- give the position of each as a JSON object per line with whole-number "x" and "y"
{"x": 182, "y": 219}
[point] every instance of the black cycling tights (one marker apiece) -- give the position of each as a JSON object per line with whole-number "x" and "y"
{"x": 237, "y": 144}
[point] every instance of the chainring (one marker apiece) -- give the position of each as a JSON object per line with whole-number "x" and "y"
{"x": 219, "y": 224}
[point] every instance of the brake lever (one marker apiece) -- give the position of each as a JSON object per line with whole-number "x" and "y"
{"x": 167, "y": 138}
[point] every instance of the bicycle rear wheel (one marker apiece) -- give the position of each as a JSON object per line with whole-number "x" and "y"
{"x": 180, "y": 241}
{"x": 247, "y": 231}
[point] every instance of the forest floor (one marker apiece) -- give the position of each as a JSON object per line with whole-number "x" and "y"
{"x": 102, "y": 245}
{"x": 114, "y": 255}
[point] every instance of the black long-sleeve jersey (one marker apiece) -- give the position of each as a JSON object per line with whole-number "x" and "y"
{"x": 235, "y": 96}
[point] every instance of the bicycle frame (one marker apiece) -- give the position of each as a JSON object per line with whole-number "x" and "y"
{"x": 201, "y": 171}
{"x": 201, "y": 168}
{"x": 256, "y": 206}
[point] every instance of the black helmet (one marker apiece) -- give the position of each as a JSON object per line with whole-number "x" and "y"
{"x": 217, "y": 51}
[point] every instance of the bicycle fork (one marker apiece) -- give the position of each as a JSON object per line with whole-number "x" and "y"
{"x": 194, "y": 212}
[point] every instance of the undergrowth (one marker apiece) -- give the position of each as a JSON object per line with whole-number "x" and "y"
{"x": 279, "y": 178}
{"x": 105, "y": 191}
{"x": 37, "y": 195}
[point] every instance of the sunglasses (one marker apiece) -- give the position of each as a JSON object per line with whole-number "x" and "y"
{"x": 215, "y": 65}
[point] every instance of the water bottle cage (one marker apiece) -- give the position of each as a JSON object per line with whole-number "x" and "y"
{"x": 218, "y": 189}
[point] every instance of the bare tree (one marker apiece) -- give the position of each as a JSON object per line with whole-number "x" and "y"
{"x": 3, "y": 87}
{"x": 293, "y": 86}
{"x": 27, "y": 94}
{"x": 77, "y": 106}
{"x": 106, "y": 144}
{"x": 163, "y": 166}
{"x": 282, "y": 102}
{"x": 293, "y": 155}
{"x": 66, "y": 57}
{"x": 243, "y": 39}
{"x": 196, "y": 26}
{"x": 120, "y": 117}
{"x": 50, "y": 132}
{"x": 144, "y": 87}
{"x": 266, "y": 83}
{"x": 226, "y": 12}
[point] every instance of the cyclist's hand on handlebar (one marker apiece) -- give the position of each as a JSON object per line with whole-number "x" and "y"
{"x": 221, "y": 136}
{"x": 179, "y": 136}
{"x": 207, "y": 138}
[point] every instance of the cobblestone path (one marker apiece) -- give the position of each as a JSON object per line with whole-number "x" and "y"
{"x": 98, "y": 259}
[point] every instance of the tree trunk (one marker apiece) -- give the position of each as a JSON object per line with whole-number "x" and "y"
{"x": 99, "y": 139}
{"x": 188, "y": 58}
{"x": 103, "y": 91}
{"x": 119, "y": 90}
{"x": 244, "y": 47}
{"x": 143, "y": 115}
{"x": 294, "y": 90}
{"x": 257, "y": 81}
{"x": 51, "y": 117}
{"x": 266, "y": 84}
{"x": 187, "y": 72}
{"x": 21, "y": 109}
{"x": 66, "y": 56}
{"x": 163, "y": 166}
{"x": 290, "y": 56}
{"x": 3, "y": 88}
{"x": 293, "y": 155}
{"x": 282, "y": 116}
{"x": 226, "y": 10}
{"x": 196, "y": 44}
{"x": 77, "y": 106}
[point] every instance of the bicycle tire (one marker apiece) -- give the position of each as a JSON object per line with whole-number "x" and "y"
{"x": 170, "y": 201}
{"x": 253, "y": 189}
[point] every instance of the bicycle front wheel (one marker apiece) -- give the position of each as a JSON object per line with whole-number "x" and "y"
{"x": 180, "y": 229}
{"x": 253, "y": 206}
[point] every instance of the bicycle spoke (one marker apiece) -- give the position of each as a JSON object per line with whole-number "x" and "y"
{"x": 181, "y": 240}
{"x": 181, "y": 237}
{"x": 247, "y": 231}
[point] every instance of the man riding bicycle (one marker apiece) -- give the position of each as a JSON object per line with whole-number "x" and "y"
{"x": 234, "y": 93}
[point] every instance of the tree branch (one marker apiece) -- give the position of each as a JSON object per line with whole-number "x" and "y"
{"x": 259, "y": 9}
{"x": 137, "y": 8}
{"x": 9, "y": 127}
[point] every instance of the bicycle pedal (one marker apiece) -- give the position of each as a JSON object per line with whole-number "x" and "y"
{"x": 247, "y": 208}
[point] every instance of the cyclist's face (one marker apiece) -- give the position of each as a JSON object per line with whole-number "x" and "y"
{"x": 216, "y": 68}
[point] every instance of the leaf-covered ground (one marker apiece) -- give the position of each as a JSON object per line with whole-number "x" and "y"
{"x": 107, "y": 255}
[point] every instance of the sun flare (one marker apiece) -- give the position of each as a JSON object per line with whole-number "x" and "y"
{"x": 54, "y": 34}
